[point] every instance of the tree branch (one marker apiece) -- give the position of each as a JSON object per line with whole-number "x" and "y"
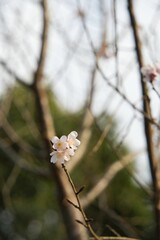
{"x": 115, "y": 88}
{"x": 104, "y": 182}
{"x": 147, "y": 124}
{"x": 14, "y": 157}
{"x": 115, "y": 238}
{"x": 9, "y": 71}
{"x": 88, "y": 120}
{"x": 74, "y": 230}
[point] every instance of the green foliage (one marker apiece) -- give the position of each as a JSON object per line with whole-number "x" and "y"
{"x": 30, "y": 210}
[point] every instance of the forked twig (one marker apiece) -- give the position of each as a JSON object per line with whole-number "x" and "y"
{"x": 86, "y": 220}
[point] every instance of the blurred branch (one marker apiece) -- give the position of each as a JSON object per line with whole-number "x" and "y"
{"x": 28, "y": 118}
{"x": 117, "y": 153}
{"x": 106, "y": 130}
{"x": 88, "y": 120}
{"x": 74, "y": 230}
{"x": 15, "y": 138}
{"x": 73, "y": 49}
{"x": 125, "y": 134}
{"x": 9, "y": 71}
{"x": 11, "y": 132}
{"x": 116, "y": 40}
{"x": 102, "y": 137}
{"x": 116, "y": 88}
{"x": 155, "y": 173}
{"x": 104, "y": 182}
{"x": 115, "y": 238}
{"x": 124, "y": 97}
{"x": 46, "y": 121}
{"x": 85, "y": 137}
{"x": 38, "y": 76}
{"x": 16, "y": 159}
{"x": 79, "y": 206}
{"x": 5, "y": 107}
{"x": 118, "y": 221}
{"x": 7, "y": 186}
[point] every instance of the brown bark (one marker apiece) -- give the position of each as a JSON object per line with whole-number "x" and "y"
{"x": 147, "y": 124}
{"x": 69, "y": 213}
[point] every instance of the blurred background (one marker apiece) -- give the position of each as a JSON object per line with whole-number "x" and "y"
{"x": 73, "y": 65}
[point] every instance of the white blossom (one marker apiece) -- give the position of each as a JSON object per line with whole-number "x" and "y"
{"x": 61, "y": 155}
{"x": 151, "y": 73}
{"x": 72, "y": 140}
{"x": 64, "y": 147}
{"x": 59, "y": 144}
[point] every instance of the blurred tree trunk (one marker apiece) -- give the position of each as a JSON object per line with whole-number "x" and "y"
{"x": 69, "y": 213}
{"x": 148, "y": 128}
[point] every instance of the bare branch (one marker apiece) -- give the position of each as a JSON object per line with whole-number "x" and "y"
{"x": 74, "y": 230}
{"x": 20, "y": 162}
{"x": 4, "y": 108}
{"x": 79, "y": 206}
{"x": 116, "y": 40}
{"x": 102, "y": 137}
{"x": 104, "y": 182}
{"x": 155, "y": 173}
{"x": 88, "y": 118}
{"x": 46, "y": 121}
{"x": 115, "y": 238}
{"x": 9, "y": 71}
{"x": 7, "y": 186}
{"x": 115, "y": 88}
{"x": 85, "y": 136}
{"x": 118, "y": 221}
{"x": 15, "y": 138}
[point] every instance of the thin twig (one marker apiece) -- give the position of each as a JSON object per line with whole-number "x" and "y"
{"x": 116, "y": 40}
{"x": 115, "y": 88}
{"x": 155, "y": 90}
{"x": 87, "y": 224}
{"x": 87, "y": 123}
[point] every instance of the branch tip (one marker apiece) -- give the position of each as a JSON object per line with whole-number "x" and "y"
{"x": 73, "y": 204}
{"x": 80, "y": 190}
{"x": 78, "y": 221}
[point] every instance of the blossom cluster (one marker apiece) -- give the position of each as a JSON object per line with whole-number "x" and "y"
{"x": 64, "y": 147}
{"x": 150, "y": 73}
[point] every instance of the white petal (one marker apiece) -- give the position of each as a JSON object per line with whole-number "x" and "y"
{"x": 60, "y": 155}
{"x": 51, "y": 154}
{"x": 63, "y": 138}
{"x": 73, "y": 134}
{"x": 73, "y": 147}
{"x": 54, "y": 139}
{"x": 66, "y": 157}
{"x": 71, "y": 152}
{"x": 53, "y": 158}
{"x": 77, "y": 142}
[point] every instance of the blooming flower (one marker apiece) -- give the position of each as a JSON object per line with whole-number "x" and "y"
{"x": 59, "y": 144}
{"x": 72, "y": 140}
{"x": 61, "y": 156}
{"x": 150, "y": 73}
{"x": 64, "y": 147}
